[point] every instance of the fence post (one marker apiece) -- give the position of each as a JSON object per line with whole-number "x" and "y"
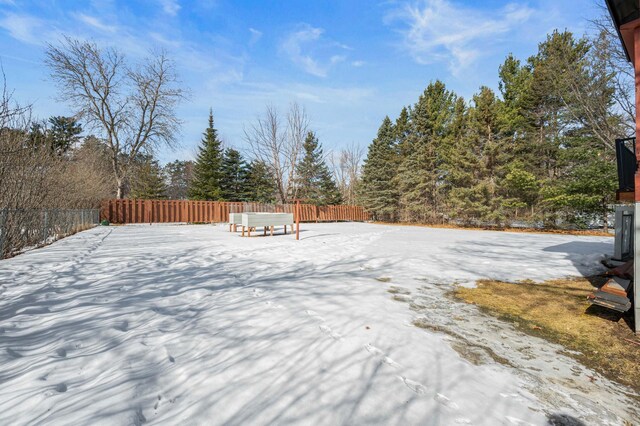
{"x": 3, "y": 232}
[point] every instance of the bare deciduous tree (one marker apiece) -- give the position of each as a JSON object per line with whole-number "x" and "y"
{"x": 621, "y": 71}
{"x": 346, "y": 168}
{"x": 23, "y": 169}
{"x": 131, "y": 107}
{"x": 279, "y": 145}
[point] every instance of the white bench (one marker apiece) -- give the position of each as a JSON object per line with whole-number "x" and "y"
{"x": 265, "y": 220}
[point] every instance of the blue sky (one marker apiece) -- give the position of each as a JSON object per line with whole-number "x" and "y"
{"x": 349, "y": 63}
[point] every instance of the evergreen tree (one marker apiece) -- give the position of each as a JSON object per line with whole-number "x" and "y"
{"x": 314, "y": 180}
{"x": 377, "y": 190}
{"x": 401, "y": 132}
{"x": 179, "y": 174}
{"x": 207, "y": 170}
{"x": 541, "y": 151}
{"x": 420, "y": 175}
{"x": 147, "y": 180}
{"x": 63, "y": 133}
{"x": 260, "y": 184}
{"x": 330, "y": 194}
{"x": 233, "y": 181}
{"x": 479, "y": 198}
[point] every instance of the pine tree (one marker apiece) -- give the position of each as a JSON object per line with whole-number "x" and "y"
{"x": 233, "y": 181}
{"x": 420, "y": 175}
{"x": 63, "y": 133}
{"x": 207, "y": 170}
{"x": 401, "y": 131}
{"x": 260, "y": 184}
{"x": 147, "y": 180}
{"x": 377, "y": 190}
{"x": 330, "y": 194}
{"x": 478, "y": 198}
{"x": 314, "y": 181}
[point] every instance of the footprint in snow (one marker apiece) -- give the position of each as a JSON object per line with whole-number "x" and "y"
{"x": 123, "y": 326}
{"x": 61, "y": 387}
{"x": 373, "y": 350}
{"x": 155, "y": 407}
{"x": 138, "y": 417}
{"x": 169, "y": 356}
{"x": 378, "y": 353}
{"x": 446, "y": 401}
{"x": 314, "y": 315}
{"x": 414, "y": 386}
{"x": 327, "y": 330}
{"x": 389, "y": 361}
{"x": 62, "y": 352}
{"x": 257, "y": 292}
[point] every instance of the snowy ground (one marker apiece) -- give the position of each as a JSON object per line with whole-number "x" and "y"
{"x": 194, "y": 325}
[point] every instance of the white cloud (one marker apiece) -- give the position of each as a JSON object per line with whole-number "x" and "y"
{"x": 164, "y": 40}
{"x": 357, "y": 64}
{"x": 94, "y": 22}
{"x": 293, "y": 44}
{"x": 255, "y": 36}
{"x": 306, "y": 48}
{"x": 25, "y": 28}
{"x": 170, "y": 7}
{"x": 438, "y": 30}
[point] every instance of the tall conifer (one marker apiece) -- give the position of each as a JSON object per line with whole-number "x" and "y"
{"x": 377, "y": 190}
{"x": 207, "y": 170}
{"x": 314, "y": 180}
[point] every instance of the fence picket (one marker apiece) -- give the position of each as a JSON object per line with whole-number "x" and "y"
{"x": 190, "y": 211}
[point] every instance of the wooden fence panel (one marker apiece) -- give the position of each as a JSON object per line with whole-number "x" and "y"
{"x": 190, "y": 211}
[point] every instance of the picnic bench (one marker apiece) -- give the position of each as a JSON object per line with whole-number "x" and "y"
{"x": 251, "y": 221}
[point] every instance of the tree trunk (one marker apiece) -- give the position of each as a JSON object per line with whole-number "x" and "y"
{"x": 120, "y": 190}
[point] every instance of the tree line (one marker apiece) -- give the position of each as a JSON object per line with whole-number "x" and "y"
{"x": 128, "y": 113}
{"x": 542, "y": 149}
{"x": 539, "y": 149}
{"x": 223, "y": 174}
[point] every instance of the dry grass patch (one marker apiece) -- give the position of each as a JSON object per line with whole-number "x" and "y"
{"x": 558, "y": 311}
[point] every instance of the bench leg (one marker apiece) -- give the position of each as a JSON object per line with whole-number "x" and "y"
{"x": 285, "y": 230}
{"x": 264, "y": 231}
{"x": 230, "y": 226}
{"x": 248, "y": 231}
{"x": 243, "y": 230}
{"x": 272, "y": 230}
{"x": 235, "y": 227}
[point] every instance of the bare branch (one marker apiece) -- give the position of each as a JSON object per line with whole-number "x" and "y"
{"x": 131, "y": 107}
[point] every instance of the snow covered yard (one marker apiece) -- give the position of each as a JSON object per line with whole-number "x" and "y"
{"x": 188, "y": 324}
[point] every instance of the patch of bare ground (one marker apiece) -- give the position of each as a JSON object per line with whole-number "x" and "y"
{"x": 472, "y": 352}
{"x": 558, "y": 311}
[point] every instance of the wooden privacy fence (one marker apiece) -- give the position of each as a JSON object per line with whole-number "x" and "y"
{"x": 171, "y": 211}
